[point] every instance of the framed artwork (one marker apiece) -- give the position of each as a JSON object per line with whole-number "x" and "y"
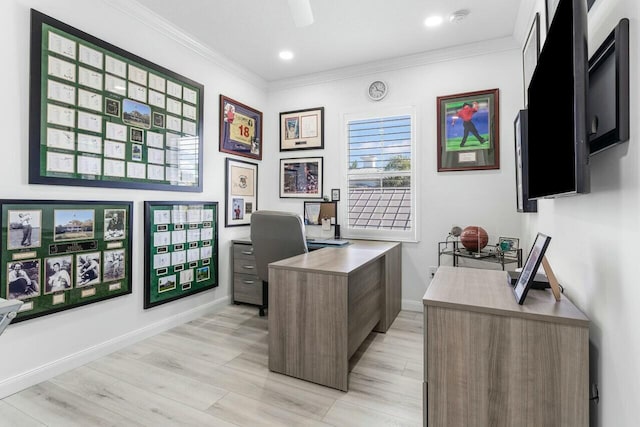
{"x": 241, "y": 197}
{"x": 335, "y": 194}
{"x": 58, "y": 255}
{"x": 530, "y": 54}
{"x": 181, "y": 250}
{"x": 550, "y": 7}
{"x": 523, "y": 204}
{"x": 302, "y": 130}
{"x": 301, "y": 178}
{"x": 103, "y": 117}
{"x": 468, "y": 131}
{"x": 240, "y": 129}
{"x": 525, "y": 280}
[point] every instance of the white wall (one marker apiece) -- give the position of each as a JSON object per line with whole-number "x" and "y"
{"x": 484, "y": 198}
{"x": 37, "y": 349}
{"x": 594, "y": 247}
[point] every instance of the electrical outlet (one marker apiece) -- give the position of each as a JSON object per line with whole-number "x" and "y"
{"x": 432, "y": 271}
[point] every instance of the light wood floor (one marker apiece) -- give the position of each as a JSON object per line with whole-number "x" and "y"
{"x": 213, "y": 372}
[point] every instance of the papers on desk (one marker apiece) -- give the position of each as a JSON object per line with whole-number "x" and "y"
{"x": 331, "y": 242}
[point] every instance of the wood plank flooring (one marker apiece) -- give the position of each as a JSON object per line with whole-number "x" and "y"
{"x": 213, "y": 372}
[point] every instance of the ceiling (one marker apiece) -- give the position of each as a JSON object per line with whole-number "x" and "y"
{"x": 345, "y": 33}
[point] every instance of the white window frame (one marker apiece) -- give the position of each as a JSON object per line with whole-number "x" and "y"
{"x": 343, "y": 206}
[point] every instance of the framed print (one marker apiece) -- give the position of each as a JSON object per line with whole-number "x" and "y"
{"x": 301, "y": 178}
{"x": 131, "y": 100}
{"x": 468, "y": 131}
{"x": 550, "y": 7}
{"x": 181, "y": 250}
{"x": 335, "y": 194}
{"x": 530, "y": 268}
{"x": 240, "y": 129}
{"x": 241, "y": 197}
{"x": 530, "y": 54}
{"x": 58, "y": 255}
{"x": 523, "y": 203}
{"x": 302, "y": 129}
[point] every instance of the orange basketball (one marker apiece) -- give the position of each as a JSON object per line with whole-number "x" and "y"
{"x": 474, "y": 238}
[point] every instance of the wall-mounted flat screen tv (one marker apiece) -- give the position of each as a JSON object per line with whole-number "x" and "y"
{"x": 558, "y": 163}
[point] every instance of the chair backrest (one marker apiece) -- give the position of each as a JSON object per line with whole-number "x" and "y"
{"x": 276, "y": 235}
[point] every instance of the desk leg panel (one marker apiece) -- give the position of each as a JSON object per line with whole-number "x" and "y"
{"x": 392, "y": 288}
{"x": 365, "y": 302}
{"x": 308, "y": 331}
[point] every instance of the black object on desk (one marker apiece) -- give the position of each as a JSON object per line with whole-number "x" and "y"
{"x": 540, "y": 281}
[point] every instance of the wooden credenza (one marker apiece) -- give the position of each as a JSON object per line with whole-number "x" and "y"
{"x": 492, "y": 362}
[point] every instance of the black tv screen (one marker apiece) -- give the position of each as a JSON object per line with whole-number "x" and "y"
{"x": 558, "y": 163}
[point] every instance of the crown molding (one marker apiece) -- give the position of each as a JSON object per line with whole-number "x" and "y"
{"x": 420, "y": 59}
{"x": 160, "y": 25}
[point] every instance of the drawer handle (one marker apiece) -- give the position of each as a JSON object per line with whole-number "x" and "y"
{"x": 247, "y": 252}
{"x": 248, "y": 282}
{"x": 248, "y": 267}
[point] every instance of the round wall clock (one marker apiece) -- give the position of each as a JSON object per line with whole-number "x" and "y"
{"x": 377, "y": 90}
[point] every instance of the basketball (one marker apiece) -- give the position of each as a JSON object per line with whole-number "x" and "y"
{"x": 474, "y": 238}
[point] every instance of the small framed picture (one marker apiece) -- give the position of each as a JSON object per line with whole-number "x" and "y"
{"x": 136, "y": 135}
{"x": 530, "y": 54}
{"x": 158, "y": 120}
{"x": 112, "y": 107}
{"x": 531, "y": 267}
{"x": 302, "y": 129}
{"x": 242, "y": 192}
{"x": 507, "y": 244}
{"x": 335, "y": 194}
{"x": 301, "y": 178}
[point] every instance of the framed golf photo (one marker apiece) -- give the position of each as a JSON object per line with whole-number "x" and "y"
{"x": 468, "y": 131}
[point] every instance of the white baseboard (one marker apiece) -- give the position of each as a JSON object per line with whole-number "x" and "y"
{"x": 411, "y": 305}
{"x": 43, "y": 373}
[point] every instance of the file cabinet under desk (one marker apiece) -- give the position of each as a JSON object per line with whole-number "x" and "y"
{"x": 247, "y": 287}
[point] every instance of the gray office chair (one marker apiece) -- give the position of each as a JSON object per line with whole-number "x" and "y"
{"x": 275, "y": 235}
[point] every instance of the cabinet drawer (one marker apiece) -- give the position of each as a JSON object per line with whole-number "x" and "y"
{"x": 242, "y": 251}
{"x": 247, "y": 288}
{"x": 244, "y": 266}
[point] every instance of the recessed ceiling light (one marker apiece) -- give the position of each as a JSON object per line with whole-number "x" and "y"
{"x": 433, "y": 21}
{"x": 286, "y": 55}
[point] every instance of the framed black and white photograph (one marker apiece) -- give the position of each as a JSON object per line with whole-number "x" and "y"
{"x": 58, "y": 274}
{"x": 74, "y": 253}
{"x": 530, "y": 268}
{"x": 301, "y": 178}
{"x": 241, "y": 197}
{"x": 23, "y": 279}
{"x": 302, "y": 129}
{"x": 24, "y": 229}
{"x": 530, "y": 54}
{"x": 335, "y": 194}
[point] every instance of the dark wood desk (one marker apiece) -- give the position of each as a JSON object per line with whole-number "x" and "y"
{"x": 323, "y": 304}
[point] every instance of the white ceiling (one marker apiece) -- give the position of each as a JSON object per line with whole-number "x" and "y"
{"x": 345, "y": 33}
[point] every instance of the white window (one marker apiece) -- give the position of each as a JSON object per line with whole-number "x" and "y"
{"x": 380, "y": 176}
